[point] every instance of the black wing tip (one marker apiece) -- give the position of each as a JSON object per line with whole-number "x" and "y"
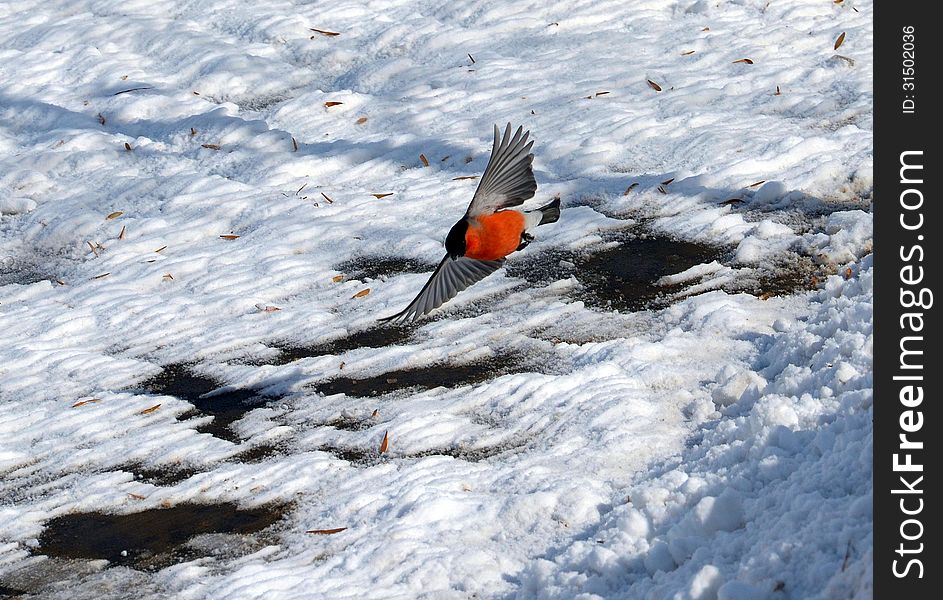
{"x": 550, "y": 213}
{"x": 402, "y": 317}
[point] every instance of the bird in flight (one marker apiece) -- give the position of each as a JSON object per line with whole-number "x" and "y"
{"x": 491, "y": 229}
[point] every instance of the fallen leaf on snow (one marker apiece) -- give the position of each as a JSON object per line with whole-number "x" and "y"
{"x": 84, "y": 402}
{"x": 840, "y": 40}
{"x": 326, "y": 531}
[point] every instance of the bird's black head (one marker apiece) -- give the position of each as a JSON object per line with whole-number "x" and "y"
{"x": 455, "y": 241}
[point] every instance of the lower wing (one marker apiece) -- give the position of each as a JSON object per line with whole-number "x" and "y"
{"x": 449, "y": 278}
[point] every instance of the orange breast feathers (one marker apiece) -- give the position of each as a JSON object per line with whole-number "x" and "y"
{"x": 494, "y": 236}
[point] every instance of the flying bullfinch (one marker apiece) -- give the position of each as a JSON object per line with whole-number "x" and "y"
{"x": 491, "y": 229}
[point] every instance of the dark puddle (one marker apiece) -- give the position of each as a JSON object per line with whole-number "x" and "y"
{"x": 625, "y": 277}
{"x": 362, "y": 457}
{"x": 12, "y": 272}
{"x": 622, "y": 277}
{"x": 800, "y": 274}
{"x": 425, "y": 378}
{"x": 350, "y": 423}
{"x": 466, "y": 454}
{"x": 151, "y": 539}
{"x": 259, "y": 453}
{"x": 169, "y": 476}
{"x": 226, "y": 407}
{"x": 10, "y": 592}
{"x": 376, "y": 267}
{"x": 378, "y": 337}
{"x": 161, "y": 476}
{"x": 357, "y": 456}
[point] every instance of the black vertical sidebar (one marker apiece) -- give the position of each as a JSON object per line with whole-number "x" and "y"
{"x": 907, "y": 367}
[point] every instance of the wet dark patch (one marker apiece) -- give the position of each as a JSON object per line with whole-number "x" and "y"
{"x": 180, "y": 381}
{"x": 367, "y": 457}
{"x": 357, "y": 456}
{"x": 424, "y": 378}
{"x": 261, "y": 103}
{"x": 11, "y": 592}
{"x": 621, "y": 277}
{"x": 151, "y": 539}
{"x": 226, "y": 407}
{"x": 351, "y": 423}
{"x": 378, "y": 337}
{"x": 466, "y": 454}
{"x": 12, "y": 271}
{"x": 798, "y": 275}
{"x": 377, "y": 267}
{"x": 258, "y": 453}
{"x": 161, "y": 476}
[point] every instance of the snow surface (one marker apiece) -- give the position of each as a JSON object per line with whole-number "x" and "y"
{"x": 717, "y": 448}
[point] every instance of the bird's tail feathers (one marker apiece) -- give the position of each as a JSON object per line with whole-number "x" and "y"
{"x": 550, "y": 213}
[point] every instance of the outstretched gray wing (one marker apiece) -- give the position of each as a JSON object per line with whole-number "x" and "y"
{"x": 449, "y": 278}
{"x": 508, "y": 179}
